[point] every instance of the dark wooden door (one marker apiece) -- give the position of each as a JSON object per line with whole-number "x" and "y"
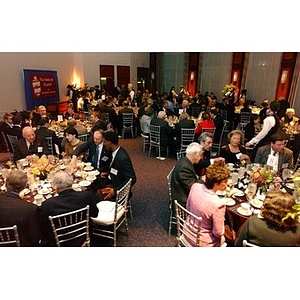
{"x": 107, "y": 80}
{"x": 123, "y": 75}
{"x": 143, "y": 79}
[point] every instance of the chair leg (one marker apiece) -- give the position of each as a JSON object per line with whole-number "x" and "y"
{"x": 115, "y": 235}
{"x": 130, "y": 209}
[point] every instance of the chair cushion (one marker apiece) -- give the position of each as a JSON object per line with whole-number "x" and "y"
{"x": 107, "y": 212}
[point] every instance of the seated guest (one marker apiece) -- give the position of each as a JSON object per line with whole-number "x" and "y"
{"x": 167, "y": 110}
{"x": 273, "y": 229}
{"x": 296, "y": 144}
{"x": 97, "y": 153}
{"x": 250, "y": 127}
{"x": 16, "y": 130}
{"x": 205, "y": 141}
{"x": 205, "y": 203}
{"x": 108, "y": 108}
{"x": 67, "y": 200}
{"x": 234, "y": 152}
{"x": 70, "y": 111}
{"x": 184, "y": 108}
{"x": 30, "y": 144}
{"x": 120, "y": 170}
{"x": 41, "y": 113}
{"x": 206, "y": 123}
{"x": 275, "y": 154}
{"x": 289, "y": 121}
{"x": 27, "y": 117}
{"x": 219, "y": 123}
{"x": 203, "y": 109}
{"x": 183, "y": 175}
{"x": 145, "y": 120}
{"x": 182, "y": 124}
{"x": 73, "y": 142}
{"x": 165, "y": 129}
{"x": 98, "y": 121}
{"x": 16, "y": 211}
{"x": 5, "y": 126}
{"x": 45, "y": 132}
{"x": 81, "y": 130}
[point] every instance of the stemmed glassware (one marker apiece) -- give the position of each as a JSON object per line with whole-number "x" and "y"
{"x": 252, "y": 187}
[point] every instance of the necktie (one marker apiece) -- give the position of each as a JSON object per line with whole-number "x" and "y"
{"x": 30, "y": 148}
{"x": 96, "y": 158}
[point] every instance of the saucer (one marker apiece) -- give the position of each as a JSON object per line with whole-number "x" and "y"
{"x": 88, "y": 168}
{"x": 290, "y": 185}
{"x": 239, "y": 193}
{"x": 84, "y": 183}
{"x": 221, "y": 193}
{"x": 44, "y": 192}
{"x": 91, "y": 179}
{"x": 259, "y": 205}
{"x": 240, "y": 211}
{"x": 229, "y": 201}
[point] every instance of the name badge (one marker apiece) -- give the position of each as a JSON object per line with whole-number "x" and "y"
{"x": 104, "y": 158}
{"x": 273, "y": 162}
{"x": 114, "y": 171}
{"x": 40, "y": 149}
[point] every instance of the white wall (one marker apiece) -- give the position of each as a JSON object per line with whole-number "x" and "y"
{"x": 262, "y": 75}
{"x": 86, "y": 66}
{"x": 216, "y": 71}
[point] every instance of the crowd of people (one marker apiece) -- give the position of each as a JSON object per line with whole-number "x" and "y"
{"x": 195, "y": 175}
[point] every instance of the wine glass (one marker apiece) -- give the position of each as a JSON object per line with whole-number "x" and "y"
{"x": 242, "y": 171}
{"x": 286, "y": 173}
{"x": 234, "y": 178}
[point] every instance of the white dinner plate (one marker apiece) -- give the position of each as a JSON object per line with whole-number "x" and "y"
{"x": 290, "y": 185}
{"x": 96, "y": 172}
{"x": 229, "y": 201}
{"x": 84, "y": 183}
{"x": 240, "y": 211}
{"x": 91, "y": 179}
{"x": 259, "y": 205}
{"x": 221, "y": 193}
{"x": 239, "y": 193}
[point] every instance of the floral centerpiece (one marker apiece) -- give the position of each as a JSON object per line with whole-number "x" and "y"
{"x": 41, "y": 166}
{"x": 265, "y": 179}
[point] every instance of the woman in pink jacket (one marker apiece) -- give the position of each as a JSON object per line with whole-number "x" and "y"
{"x": 203, "y": 201}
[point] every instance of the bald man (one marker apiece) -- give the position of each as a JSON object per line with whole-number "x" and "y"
{"x": 30, "y": 144}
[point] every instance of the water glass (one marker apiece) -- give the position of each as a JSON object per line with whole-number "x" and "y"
{"x": 286, "y": 173}
{"x": 234, "y": 178}
{"x": 252, "y": 187}
{"x": 241, "y": 172}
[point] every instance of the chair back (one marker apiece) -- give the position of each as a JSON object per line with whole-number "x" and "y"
{"x": 169, "y": 176}
{"x": 83, "y": 137}
{"x": 215, "y": 149}
{"x": 9, "y": 236}
{"x": 210, "y": 130}
{"x": 155, "y": 135}
{"x": 223, "y": 113}
{"x": 122, "y": 199}
{"x": 12, "y": 139}
{"x": 247, "y": 244}
{"x": 70, "y": 226}
{"x": 245, "y": 117}
{"x": 188, "y": 227}
{"x": 187, "y": 137}
{"x": 50, "y": 144}
{"x": 181, "y": 154}
{"x": 106, "y": 116}
{"x": 195, "y": 111}
{"x": 127, "y": 124}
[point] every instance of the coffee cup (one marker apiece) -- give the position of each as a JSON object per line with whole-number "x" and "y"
{"x": 230, "y": 166}
{"x": 245, "y": 208}
{"x": 38, "y": 199}
{"x": 90, "y": 177}
{"x": 88, "y": 164}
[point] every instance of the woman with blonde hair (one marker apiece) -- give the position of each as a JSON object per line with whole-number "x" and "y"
{"x": 272, "y": 229}
{"x": 205, "y": 203}
{"x": 234, "y": 152}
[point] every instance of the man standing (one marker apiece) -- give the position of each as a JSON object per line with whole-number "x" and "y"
{"x": 205, "y": 141}
{"x": 275, "y": 154}
{"x": 121, "y": 169}
{"x": 30, "y": 144}
{"x": 16, "y": 211}
{"x": 184, "y": 176}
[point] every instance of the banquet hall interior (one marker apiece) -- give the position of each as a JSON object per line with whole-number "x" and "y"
{"x": 257, "y": 77}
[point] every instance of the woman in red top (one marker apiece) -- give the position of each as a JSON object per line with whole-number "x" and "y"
{"x": 206, "y": 123}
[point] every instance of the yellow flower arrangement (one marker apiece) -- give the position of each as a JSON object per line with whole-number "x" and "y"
{"x": 41, "y": 166}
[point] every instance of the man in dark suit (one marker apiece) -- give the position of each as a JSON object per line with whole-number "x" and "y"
{"x": 45, "y": 132}
{"x": 183, "y": 123}
{"x": 30, "y": 144}
{"x": 67, "y": 200}
{"x": 183, "y": 175}
{"x": 184, "y": 108}
{"x": 165, "y": 129}
{"x": 16, "y": 211}
{"x": 205, "y": 141}
{"x": 275, "y": 154}
{"x": 107, "y": 108}
{"x": 97, "y": 123}
{"x": 121, "y": 169}
{"x": 41, "y": 113}
{"x": 5, "y": 126}
{"x": 98, "y": 155}
{"x": 16, "y": 130}
{"x": 219, "y": 123}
